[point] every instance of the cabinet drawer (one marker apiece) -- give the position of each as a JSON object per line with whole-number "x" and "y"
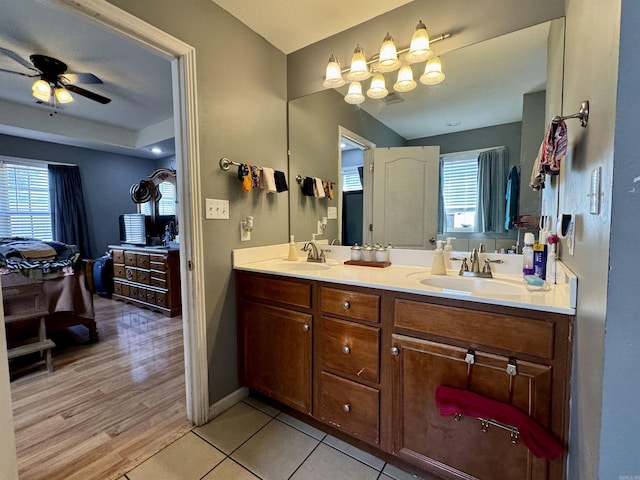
{"x": 142, "y": 260}
{"x": 151, "y": 297}
{"x": 130, "y": 274}
{"x": 117, "y": 288}
{"x": 142, "y": 294}
{"x": 124, "y": 289}
{"x": 514, "y": 334}
{"x": 276, "y": 290}
{"x": 157, "y": 280}
{"x": 133, "y": 291}
{"x": 157, "y": 262}
{"x": 356, "y": 305}
{"x": 350, "y": 349}
{"x": 142, "y": 276}
{"x": 118, "y": 256}
{"x": 118, "y": 271}
{"x": 130, "y": 258}
{"x": 161, "y": 299}
{"x": 350, "y": 406}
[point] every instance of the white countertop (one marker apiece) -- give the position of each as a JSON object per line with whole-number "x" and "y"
{"x": 409, "y": 268}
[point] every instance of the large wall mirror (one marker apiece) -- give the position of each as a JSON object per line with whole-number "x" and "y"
{"x": 497, "y": 93}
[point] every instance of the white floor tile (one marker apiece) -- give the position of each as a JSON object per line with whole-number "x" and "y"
{"x": 327, "y": 463}
{"x": 354, "y": 452}
{"x": 300, "y": 425}
{"x": 230, "y": 470}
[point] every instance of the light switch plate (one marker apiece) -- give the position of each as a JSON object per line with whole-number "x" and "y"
{"x": 594, "y": 192}
{"x": 216, "y": 209}
{"x": 332, "y": 213}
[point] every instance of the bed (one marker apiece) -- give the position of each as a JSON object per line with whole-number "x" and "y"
{"x": 65, "y": 292}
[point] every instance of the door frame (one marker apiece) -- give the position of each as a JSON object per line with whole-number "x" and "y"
{"x": 183, "y": 70}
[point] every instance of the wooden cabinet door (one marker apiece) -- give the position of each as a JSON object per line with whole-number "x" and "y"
{"x": 275, "y": 353}
{"x": 462, "y": 448}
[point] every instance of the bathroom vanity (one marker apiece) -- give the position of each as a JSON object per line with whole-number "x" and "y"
{"x": 362, "y": 350}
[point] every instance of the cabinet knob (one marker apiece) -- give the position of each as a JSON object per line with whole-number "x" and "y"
{"x": 346, "y": 350}
{"x": 346, "y": 305}
{"x": 395, "y": 351}
{"x": 346, "y": 407}
{"x": 306, "y": 327}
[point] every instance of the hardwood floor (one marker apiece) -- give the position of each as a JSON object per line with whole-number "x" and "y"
{"x": 107, "y": 406}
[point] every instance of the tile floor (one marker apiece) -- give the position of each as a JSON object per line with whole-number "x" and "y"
{"x": 253, "y": 441}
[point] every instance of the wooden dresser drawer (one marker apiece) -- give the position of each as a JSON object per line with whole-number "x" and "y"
{"x": 130, "y": 274}
{"x": 151, "y": 297}
{"x": 276, "y": 290}
{"x": 133, "y": 291}
{"x": 351, "y": 407}
{"x": 142, "y": 294}
{"x": 158, "y": 280}
{"x": 356, "y": 305}
{"x": 350, "y": 349}
{"x": 143, "y": 276}
{"x": 118, "y": 256}
{"x": 142, "y": 260}
{"x": 157, "y": 262}
{"x": 117, "y": 288}
{"x": 514, "y": 334}
{"x": 130, "y": 258}
{"x": 118, "y": 271}
{"x": 161, "y": 299}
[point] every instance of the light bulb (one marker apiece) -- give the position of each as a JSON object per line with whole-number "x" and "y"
{"x": 63, "y": 95}
{"x": 432, "y": 72}
{"x": 405, "y": 81}
{"x": 388, "y": 61}
{"x": 41, "y": 90}
{"x": 419, "y": 50}
{"x": 378, "y": 88}
{"x": 354, "y": 96}
{"x": 359, "y": 70}
{"x": 333, "y": 77}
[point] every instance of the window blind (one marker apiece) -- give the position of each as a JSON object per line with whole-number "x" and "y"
{"x": 25, "y": 210}
{"x": 351, "y": 179}
{"x": 460, "y": 184}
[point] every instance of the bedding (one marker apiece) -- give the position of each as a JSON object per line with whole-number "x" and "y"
{"x": 65, "y": 292}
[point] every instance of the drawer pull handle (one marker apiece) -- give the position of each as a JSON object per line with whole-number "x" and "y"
{"x": 346, "y": 350}
{"x": 346, "y": 305}
{"x": 395, "y": 351}
{"x": 306, "y": 327}
{"x": 346, "y": 407}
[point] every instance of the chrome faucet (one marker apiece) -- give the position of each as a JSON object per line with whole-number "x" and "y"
{"x": 315, "y": 254}
{"x": 474, "y": 269}
{"x": 475, "y": 263}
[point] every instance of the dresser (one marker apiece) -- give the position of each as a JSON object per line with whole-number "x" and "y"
{"x": 148, "y": 277}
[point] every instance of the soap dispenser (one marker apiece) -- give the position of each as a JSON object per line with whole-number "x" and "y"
{"x": 293, "y": 250}
{"x": 448, "y": 248}
{"x": 437, "y": 264}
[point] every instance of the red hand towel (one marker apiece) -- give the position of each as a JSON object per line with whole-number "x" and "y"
{"x": 537, "y": 439}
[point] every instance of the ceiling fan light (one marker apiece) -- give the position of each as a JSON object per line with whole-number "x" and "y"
{"x": 354, "y": 96}
{"x": 358, "y": 70}
{"x": 405, "y": 81}
{"x": 378, "y": 88}
{"x": 419, "y": 50}
{"x": 433, "y": 73}
{"x": 388, "y": 60}
{"x": 63, "y": 95}
{"x": 41, "y": 90}
{"x": 333, "y": 76}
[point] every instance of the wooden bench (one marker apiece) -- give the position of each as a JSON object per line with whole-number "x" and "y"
{"x": 23, "y": 295}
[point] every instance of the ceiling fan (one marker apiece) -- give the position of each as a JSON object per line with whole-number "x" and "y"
{"x": 53, "y": 78}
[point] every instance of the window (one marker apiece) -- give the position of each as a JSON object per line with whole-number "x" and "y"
{"x": 459, "y": 185}
{"x": 167, "y": 204}
{"x": 351, "y": 179}
{"x": 24, "y": 201}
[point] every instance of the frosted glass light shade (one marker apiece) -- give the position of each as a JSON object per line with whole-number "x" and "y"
{"x": 405, "y": 81}
{"x": 358, "y": 70}
{"x": 378, "y": 88}
{"x": 333, "y": 76}
{"x": 419, "y": 50}
{"x": 41, "y": 90}
{"x": 433, "y": 73}
{"x": 63, "y": 95}
{"x": 354, "y": 96}
{"x": 388, "y": 61}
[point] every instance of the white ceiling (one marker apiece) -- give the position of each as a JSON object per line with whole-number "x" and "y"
{"x": 139, "y": 82}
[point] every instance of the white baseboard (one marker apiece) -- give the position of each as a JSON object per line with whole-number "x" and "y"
{"x": 227, "y": 402}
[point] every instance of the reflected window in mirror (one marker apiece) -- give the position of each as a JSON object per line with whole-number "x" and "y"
{"x": 166, "y": 204}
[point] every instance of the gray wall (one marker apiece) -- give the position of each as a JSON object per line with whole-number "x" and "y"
{"x": 533, "y": 128}
{"x": 313, "y": 146}
{"x": 242, "y": 116}
{"x": 106, "y": 180}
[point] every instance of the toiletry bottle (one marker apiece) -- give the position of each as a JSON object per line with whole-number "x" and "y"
{"x": 540, "y": 257}
{"x": 293, "y": 251}
{"x": 527, "y": 254}
{"x": 448, "y": 248}
{"x": 437, "y": 264}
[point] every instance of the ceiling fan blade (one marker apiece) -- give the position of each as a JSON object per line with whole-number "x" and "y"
{"x": 19, "y": 73}
{"x": 86, "y": 93}
{"x": 14, "y": 56}
{"x": 80, "y": 78}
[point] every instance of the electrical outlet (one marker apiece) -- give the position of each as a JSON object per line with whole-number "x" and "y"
{"x": 245, "y": 234}
{"x": 216, "y": 209}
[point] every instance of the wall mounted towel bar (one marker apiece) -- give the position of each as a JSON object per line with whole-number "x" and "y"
{"x": 583, "y": 115}
{"x": 485, "y": 423}
{"x": 299, "y": 179}
{"x": 225, "y": 164}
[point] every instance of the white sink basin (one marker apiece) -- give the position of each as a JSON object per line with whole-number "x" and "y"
{"x": 303, "y": 266}
{"x": 476, "y": 285}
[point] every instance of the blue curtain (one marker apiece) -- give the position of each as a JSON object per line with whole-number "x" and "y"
{"x": 493, "y": 170}
{"x": 68, "y": 215}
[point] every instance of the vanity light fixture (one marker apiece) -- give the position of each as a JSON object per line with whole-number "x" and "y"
{"x": 389, "y": 59}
